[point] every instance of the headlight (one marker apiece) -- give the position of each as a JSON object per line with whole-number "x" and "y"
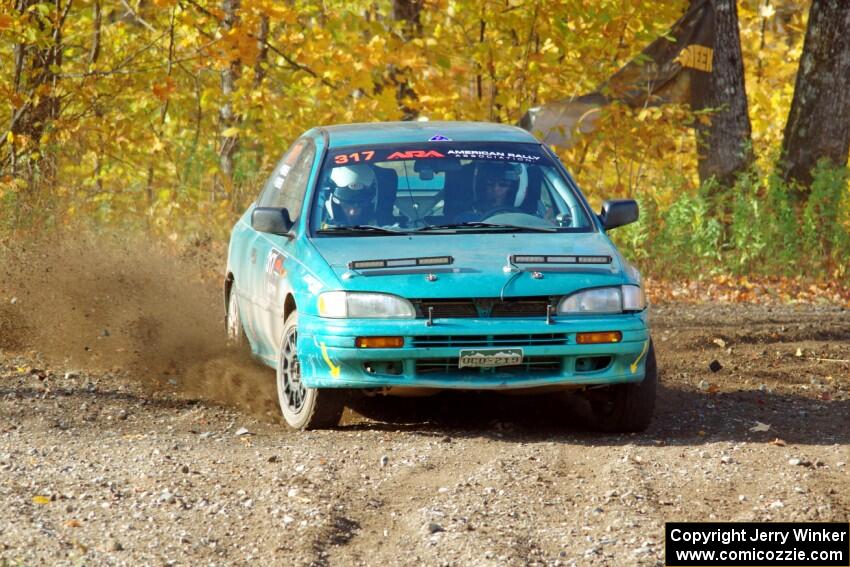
{"x": 633, "y": 298}
{"x": 356, "y": 305}
{"x": 601, "y": 300}
{"x": 604, "y": 300}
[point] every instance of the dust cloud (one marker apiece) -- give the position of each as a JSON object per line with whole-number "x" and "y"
{"x": 120, "y": 304}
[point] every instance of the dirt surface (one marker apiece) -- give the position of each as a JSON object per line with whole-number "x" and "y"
{"x": 130, "y": 435}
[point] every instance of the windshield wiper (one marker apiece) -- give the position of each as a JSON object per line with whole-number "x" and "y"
{"x": 481, "y": 224}
{"x": 367, "y": 228}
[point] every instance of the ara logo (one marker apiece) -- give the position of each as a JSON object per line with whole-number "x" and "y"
{"x": 413, "y": 154}
{"x": 439, "y": 138}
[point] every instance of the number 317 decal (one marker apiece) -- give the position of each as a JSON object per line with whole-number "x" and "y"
{"x": 342, "y": 159}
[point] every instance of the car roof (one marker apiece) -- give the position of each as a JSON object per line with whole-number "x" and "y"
{"x": 342, "y": 135}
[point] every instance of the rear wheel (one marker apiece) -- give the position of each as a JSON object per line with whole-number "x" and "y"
{"x": 626, "y": 408}
{"x": 303, "y": 407}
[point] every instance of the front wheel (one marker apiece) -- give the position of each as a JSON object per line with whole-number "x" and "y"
{"x": 303, "y": 407}
{"x": 626, "y": 408}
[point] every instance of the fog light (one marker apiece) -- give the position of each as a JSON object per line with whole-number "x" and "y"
{"x": 379, "y": 342}
{"x": 599, "y": 337}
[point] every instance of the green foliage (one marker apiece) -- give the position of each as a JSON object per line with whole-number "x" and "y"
{"x": 746, "y": 237}
{"x": 762, "y": 234}
{"x": 825, "y": 233}
{"x": 780, "y": 226}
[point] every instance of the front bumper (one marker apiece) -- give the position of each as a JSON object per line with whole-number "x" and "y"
{"x": 429, "y": 357}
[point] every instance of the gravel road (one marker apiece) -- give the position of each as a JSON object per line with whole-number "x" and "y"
{"x": 124, "y": 442}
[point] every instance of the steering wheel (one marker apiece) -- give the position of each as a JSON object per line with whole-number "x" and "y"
{"x": 564, "y": 219}
{"x": 498, "y": 211}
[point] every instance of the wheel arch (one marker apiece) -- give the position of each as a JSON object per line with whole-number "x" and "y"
{"x": 289, "y": 305}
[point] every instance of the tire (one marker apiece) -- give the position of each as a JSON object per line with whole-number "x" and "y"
{"x": 233, "y": 323}
{"x": 303, "y": 407}
{"x": 627, "y": 408}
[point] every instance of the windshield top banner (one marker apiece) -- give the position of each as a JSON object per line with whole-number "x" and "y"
{"x": 518, "y": 153}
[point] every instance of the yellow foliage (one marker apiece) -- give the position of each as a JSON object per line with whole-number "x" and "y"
{"x": 163, "y": 90}
{"x": 338, "y": 61}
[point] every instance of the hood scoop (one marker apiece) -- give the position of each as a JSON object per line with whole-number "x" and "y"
{"x": 557, "y": 259}
{"x": 401, "y": 266}
{"x": 539, "y": 263}
{"x": 424, "y": 261}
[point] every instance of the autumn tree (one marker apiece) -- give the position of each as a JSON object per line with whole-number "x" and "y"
{"x": 407, "y": 14}
{"x": 170, "y": 113}
{"x": 725, "y": 146}
{"x": 227, "y": 116}
{"x": 37, "y": 97}
{"x": 818, "y": 125}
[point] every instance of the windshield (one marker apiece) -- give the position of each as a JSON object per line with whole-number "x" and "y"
{"x": 443, "y": 187}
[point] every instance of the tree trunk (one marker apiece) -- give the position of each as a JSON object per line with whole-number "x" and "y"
{"x": 407, "y": 12}
{"x": 725, "y": 144}
{"x": 818, "y": 124}
{"x": 163, "y": 109}
{"x": 263, "y": 54}
{"x": 94, "y": 56}
{"x": 36, "y": 78}
{"x": 227, "y": 117}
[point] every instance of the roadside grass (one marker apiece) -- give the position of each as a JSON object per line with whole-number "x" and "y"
{"x": 758, "y": 229}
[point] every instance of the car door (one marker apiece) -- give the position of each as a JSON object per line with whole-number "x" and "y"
{"x": 286, "y": 188}
{"x": 241, "y": 265}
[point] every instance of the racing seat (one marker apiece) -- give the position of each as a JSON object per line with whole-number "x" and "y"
{"x": 531, "y": 200}
{"x": 457, "y": 197}
{"x": 387, "y": 181}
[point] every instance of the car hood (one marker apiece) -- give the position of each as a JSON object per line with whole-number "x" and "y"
{"x": 479, "y": 264}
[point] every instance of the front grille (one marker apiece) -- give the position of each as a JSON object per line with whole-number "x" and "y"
{"x": 530, "y": 365}
{"x": 483, "y": 307}
{"x": 540, "y": 339}
{"x": 520, "y": 308}
{"x": 448, "y": 309}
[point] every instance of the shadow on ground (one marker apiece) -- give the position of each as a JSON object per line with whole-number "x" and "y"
{"x": 682, "y": 417}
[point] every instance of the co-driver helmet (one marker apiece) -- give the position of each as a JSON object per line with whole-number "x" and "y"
{"x": 354, "y": 194}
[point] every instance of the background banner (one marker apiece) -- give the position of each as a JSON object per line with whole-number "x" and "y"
{"x": 674, "y": 68}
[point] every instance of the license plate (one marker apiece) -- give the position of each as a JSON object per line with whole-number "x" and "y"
{"x": 489, "y": 357}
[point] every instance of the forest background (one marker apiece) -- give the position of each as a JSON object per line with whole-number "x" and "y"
{"x": 167, "y": 115}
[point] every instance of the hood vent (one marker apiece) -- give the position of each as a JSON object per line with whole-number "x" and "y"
{"x": 427, "y": 261}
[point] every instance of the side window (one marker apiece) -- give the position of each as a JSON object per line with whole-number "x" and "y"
{"x": 564, "y": 202}
{"x": 275, "y": 182}
{"x": 546, "y": 206}
{"x": 288, "y": 182}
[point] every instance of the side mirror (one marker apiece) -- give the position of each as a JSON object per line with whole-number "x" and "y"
{"x": 271, "y": 220}
{"x": 618, "y": 212}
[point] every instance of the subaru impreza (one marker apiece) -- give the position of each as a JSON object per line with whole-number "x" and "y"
{"x": 415, "y": 257}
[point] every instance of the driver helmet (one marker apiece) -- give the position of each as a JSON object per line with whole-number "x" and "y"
{"x": 497, "y": 185}
{"x": 353, "y": 198}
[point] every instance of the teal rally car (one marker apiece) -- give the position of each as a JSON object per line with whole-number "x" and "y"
{"x": 414, "y": 257}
